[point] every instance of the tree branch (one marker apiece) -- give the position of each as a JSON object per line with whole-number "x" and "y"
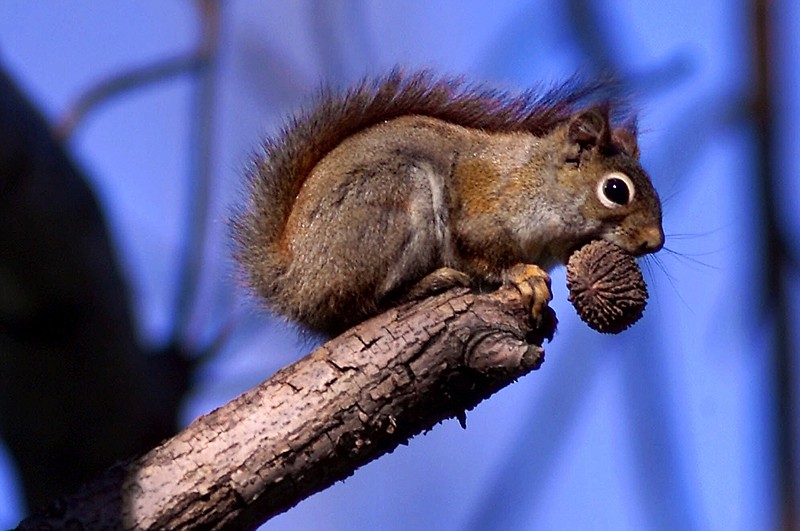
{"x": 315, "y": 422}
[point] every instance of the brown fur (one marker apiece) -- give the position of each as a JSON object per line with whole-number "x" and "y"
{"x": 348, "y": 140}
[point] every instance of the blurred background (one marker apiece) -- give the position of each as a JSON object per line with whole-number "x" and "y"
{"x": 126, "y": 128}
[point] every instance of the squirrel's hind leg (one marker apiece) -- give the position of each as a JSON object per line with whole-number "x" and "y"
{"x": 438, "y": 281}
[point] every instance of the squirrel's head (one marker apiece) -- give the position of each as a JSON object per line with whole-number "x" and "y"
{"x": 615, "y": 197}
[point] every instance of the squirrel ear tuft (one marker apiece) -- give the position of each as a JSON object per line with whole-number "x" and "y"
{"x": 590, "y": 127}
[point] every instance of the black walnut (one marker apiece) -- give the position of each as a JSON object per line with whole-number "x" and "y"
{"x": 606, "y": 287}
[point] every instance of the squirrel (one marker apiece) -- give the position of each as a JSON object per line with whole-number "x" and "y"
{"x": 413, "y": 183}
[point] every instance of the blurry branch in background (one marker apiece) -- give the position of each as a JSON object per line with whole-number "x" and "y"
{"x": 590, "y": 31}
{"x": 201, "y": 64}
{"x": 77, "y": 390}
{"x": 588, "y": 25}
{"x": 199, "y": 176}
{"x": 318, "y": 420}
{"x": 777, "y": 265}
{"x": 119, "y": 85}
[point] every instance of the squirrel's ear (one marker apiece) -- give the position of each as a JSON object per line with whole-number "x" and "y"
{"x": 590, "y": 127}
{"x": 625, "y": 138}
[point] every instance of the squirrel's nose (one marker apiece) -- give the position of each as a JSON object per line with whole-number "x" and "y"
{"x": 652, "y": 239}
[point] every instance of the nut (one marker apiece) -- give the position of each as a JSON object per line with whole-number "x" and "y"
{"x": 606, "y": 287}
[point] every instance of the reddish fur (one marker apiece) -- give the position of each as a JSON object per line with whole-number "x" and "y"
{"x": 289, "y": 158}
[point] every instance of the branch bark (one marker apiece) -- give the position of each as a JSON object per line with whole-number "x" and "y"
{"x": 316, "y": 421}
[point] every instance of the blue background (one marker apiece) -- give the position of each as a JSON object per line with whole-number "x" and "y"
{"x": 667, "y": 426}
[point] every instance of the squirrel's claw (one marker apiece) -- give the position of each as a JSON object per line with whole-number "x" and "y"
{"x": 533, "y": 284}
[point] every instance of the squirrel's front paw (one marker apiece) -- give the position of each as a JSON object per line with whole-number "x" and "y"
{"x": 533, "y": 283}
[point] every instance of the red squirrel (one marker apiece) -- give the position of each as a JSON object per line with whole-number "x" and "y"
{"x": 411, "y": 184}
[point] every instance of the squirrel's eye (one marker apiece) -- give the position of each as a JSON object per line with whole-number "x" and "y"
{"x": 615, "y": 190}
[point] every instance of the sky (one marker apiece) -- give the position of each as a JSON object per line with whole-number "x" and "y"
{"x": 665, "y": 426}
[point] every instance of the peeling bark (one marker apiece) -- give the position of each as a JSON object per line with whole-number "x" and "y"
{"x": 316, "y": 421}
